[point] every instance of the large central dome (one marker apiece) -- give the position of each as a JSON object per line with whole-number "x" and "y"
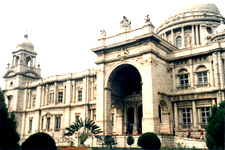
{"x": 192, "y": 12}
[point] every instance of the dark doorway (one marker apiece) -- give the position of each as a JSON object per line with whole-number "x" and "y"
{"x": 139, "y": 125}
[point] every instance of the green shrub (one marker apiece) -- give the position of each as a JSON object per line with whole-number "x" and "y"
{"x": 130, "y": 140}
{"x": 149, "y": 140}
{"x": 214, "y": 136}
{"x": 39, "y": 140}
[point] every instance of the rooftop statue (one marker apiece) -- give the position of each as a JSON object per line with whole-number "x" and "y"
{"x": 103, "y": 34}
{"x": 147, "y": 19}
{"x": 125, "y": 23}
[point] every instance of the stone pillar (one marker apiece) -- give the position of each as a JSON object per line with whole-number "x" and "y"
{"x": 174, "y": 78}
{"x": 183, "y": 37}
{"x": 193, "y": 35}
{"x": 213, "y": 101}
{"x": 103, "y": 104}
{"x": 191, "y": 73}
{"x": 91, "y": 114}
{"x": 197, "y": 35}
{"x": 64, "y": 94}
{"x": 43, "y": 96}
{"x": 220, "y": 70}
{"x": 211, "y": 74}
{"x": 46, "y": 94}
{"x": 125, "y": 118}
{"x": 176, "y": 116}
{"x": 172, "y": 37}
{"x": 68, "y": 92}
{"x": 150, "y": 120}
{"x": 119, "y": 122}
{"x": 215, "y": 68}
{"x": 13, "y": 61}
{"x": 73, "y": 91}
{"x": 38, "y": 97}
{"x": 135, "y": 119}
{"x": 55, "y": 93}
{"x": 195, "y": 116}
{"x": 25, "y": 99}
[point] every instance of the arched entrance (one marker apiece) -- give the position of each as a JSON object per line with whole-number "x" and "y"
{"x": 126, "y": 96}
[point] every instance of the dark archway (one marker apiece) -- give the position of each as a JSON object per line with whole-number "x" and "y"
{"x": 126, "y": 84}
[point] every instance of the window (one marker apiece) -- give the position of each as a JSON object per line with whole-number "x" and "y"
{"x": 30, "y": 125}
{"x": 57, "y": 123}
{"x": 112, "y": 119}
{"x": 209, "y": 30}
{"x": 42, "y": 123}
{"x": 80, "y": 95}
{"x": 179, "y": 41}
{"x": 60, "y": 97}
{"x": 205, "y": 115}
{"x": 48, "y": 124}
{"x": 202, "y": 77}
{"x": 184, "y": 81}
{"x": 77, "y": 118}
{"x": 34, "y": 100}
{"x": 186, "y": 118}
{"x": 160, "y": 115}
{"x": 51, "y": 98}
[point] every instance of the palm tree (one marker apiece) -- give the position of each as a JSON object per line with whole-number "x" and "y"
{"x": 83, "y": 129}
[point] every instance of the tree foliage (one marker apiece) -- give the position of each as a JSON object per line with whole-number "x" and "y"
{"x": 215, "y": 127}
{"x": 40, "y": 141}
{"x": 130, "y": 140}
{"x": 149, "y": 141}
{"x": 83, "y": 129}
{"x": 9, "y": 137}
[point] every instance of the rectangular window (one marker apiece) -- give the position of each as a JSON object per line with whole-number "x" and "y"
{"x": 34, "y": 101}
{"x": 51, "y": 98}
{"x": 202, "y": 77}
{"x": 80, "y": 95}
{"x": 112, "y": 119}
{"x": 30, "y": 125}
{"x": 48, "y": 124}
{"x": 205, "y": 115}
{"x": 186, "y": 118}
{"x": 57, "y": 123}
{"x": 184, "y": 83}
{"x": 77, "y": 118}
{"x": 42, "y": 123}
{"x": 60, "y": 97}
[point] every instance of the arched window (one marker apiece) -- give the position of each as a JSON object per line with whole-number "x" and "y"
{"x": 179, "y": 41}
{"x": 183, "y": 79}
{"x": 202, "y": 77}
{"x": 17, "y": 60}
{"x": 28, "y": 61}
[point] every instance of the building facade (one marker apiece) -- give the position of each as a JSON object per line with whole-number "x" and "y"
{"x": 160, "y": 81}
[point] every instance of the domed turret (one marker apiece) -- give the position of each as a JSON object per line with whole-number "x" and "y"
{"x": 220, "y": 29}
{"x": 25, "y": 44}
{"x": 191, "y": 26}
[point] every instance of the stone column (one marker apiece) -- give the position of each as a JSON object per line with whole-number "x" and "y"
{"x": 68, "y": 92}
{"x": 13, "y": 61}
{"x": 174, "y": 78}
{"x": 91, "y": 114}
{"x": 55, "y": 93}
{"x": 43, "y": 96}
{"x": 125, "y": 118}
{"x": 191, "y": 73}
{"x": 193, "y": 35}
{"x": 64, "y": 94}
{"x": 195, "y": 119}
{"x": 211, "y": 74}
{"x": 197, "y": 34}
{"x": 46, "y": 94}
{"x": 135, "y": 119}
{"x": 150, "y": 120}
{"x": 29, "y": 99}
{"x": 215, "y": 68}
{"x": 172, "y": 37}
{"x": 25, "y": 99}
{"x": 183, "y": 37}
{"x": 176, "y": 116}
{"x": 38, "y": 97}
{"x": 220, "y": 70}
{"x": 103, "y": 104}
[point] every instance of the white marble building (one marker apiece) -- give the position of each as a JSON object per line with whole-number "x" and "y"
{"x": 145, "y": 80}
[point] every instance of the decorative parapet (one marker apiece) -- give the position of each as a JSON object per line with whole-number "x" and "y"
{"x": 126, "y": 32}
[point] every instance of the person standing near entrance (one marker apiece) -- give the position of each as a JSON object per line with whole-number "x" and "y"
{"x": 201, "y": 134}
{"x": 189, "y": 134}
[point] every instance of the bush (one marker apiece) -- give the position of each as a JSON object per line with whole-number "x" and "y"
{"x": 214, "y": 136}
{"x": 149, "y": 140}
{"x": 130, "y": 140}
{"x": 9, "y": 138}
{"x": 39, "y": 140}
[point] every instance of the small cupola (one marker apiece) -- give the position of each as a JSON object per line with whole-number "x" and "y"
{"x": 25, "y": 44}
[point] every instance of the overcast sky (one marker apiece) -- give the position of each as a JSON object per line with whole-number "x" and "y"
{"x": 64, "y": 32}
